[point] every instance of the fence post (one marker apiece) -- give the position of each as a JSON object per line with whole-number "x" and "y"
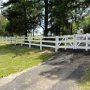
{"x": 15, "y": 40}
{"x": 75, "y": 41}
{"x": 87, "y": 42}
{"x": 65, "y": 42}
{"x": 29, "y": 42}
{"x": 21, "y": 41}
{"x": 40, "y": 43}
{"x": 56, "y": 45}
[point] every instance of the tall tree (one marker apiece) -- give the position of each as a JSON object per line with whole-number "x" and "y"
{"x": 23, "y": 13}
{"x": 46, "y": 18}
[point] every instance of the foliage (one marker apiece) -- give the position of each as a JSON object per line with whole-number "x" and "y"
{"x": 60, "y": 16}
{"x": 3, "y": 22}
{"x": 23, "y": 15}
{"x": 85, "y": 24}
{"x": 63, "y": 11}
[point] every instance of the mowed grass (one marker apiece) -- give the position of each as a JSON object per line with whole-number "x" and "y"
{"x": 16, "y": 58}
{"x": 85, "y": 84}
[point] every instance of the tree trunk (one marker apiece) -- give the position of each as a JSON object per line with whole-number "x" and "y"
{"x": 71, "y": 28}
{"x": 25, "y": 19}
{"x": 33, "y": 31}
{"x": 25, "y": 33}
{"x": 46, "y": 18}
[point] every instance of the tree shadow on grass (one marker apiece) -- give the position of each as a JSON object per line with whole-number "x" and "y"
{"x": 58, "y": 69}
{"x": 16, "y": 50}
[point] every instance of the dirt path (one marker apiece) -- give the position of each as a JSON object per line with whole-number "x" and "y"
{"x": 61, "y": 73}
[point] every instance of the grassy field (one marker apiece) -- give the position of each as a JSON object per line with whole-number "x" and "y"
{"x": 85, "y": 84}
{"x": 16, "y": 58}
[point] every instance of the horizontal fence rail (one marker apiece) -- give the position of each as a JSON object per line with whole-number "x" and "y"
{"x": 8, "y": 40}
{"x": 66, "y": 42}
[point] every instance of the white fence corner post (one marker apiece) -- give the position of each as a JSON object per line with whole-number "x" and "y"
{"x": 57, "y": 45}
{"x": 40, "y": 43}
{"x": 87, "y": 42}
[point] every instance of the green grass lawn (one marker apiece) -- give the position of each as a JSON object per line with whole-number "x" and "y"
{"x": 16, "y": 58}
{"x": 85, "y": 84}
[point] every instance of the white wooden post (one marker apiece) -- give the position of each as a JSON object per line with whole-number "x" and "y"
{"x": 57, "y": 45}
{"x": 65, "y": 42}
{"x": 75, "y": 41}
{"x": 87, "y": 42}
{"x": 15, "y": 40}
{"x": 40, "y": 43}
{"x": 29, "y": 43}
{"x": 29, "y": 39}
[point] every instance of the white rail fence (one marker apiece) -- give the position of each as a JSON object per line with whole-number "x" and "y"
{"x": 7, "y": 40}
{"x": 57, "y": 42}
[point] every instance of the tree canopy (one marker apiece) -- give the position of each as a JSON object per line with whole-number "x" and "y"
{"x": 23, "y": 16}
{"x": 3, "y": 22}
{"x": 59, "y": 16}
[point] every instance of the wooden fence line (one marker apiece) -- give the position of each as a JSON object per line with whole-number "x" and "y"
{"x": 66, "y": 42}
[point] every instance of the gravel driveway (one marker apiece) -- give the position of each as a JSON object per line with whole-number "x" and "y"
{"x": 61, "y": 73}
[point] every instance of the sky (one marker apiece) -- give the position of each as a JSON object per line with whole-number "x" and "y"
{"x": 0, "y": 3}
{"x": 4, "y": 0}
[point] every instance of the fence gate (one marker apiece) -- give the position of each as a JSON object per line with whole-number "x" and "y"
{"x": 66, "y": 41}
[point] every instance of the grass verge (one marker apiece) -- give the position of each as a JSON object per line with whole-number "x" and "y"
{"x": 16, "y": 58}
{"x": 85, "y": 84}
